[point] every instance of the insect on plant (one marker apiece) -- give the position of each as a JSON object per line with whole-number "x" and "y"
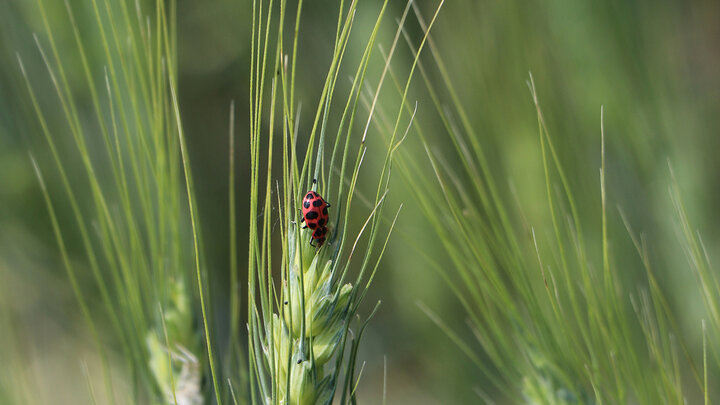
{"x": 315, "y": 216}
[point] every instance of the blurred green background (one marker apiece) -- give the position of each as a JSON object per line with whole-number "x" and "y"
{"x": 653, "y": 65}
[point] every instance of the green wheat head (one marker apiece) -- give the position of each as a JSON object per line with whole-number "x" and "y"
{"x": 302, "y": 349}
{"x": 133, "y": 234}
{"x": 553, "y": 324}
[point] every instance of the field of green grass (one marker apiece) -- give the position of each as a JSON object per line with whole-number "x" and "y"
{"x": 522, "y": 202}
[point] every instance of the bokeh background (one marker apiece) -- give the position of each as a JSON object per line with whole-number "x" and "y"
{"x": 653, "y": 65}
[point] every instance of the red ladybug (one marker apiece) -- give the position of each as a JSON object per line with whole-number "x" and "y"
{"x": 315, "y": 216}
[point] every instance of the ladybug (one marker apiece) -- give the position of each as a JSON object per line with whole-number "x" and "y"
{"x": 315, "y": 216}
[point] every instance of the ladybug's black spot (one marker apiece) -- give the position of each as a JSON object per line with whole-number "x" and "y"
{"x": 306, "y": 204}
{"x": 309, "y": 195}
{"x": 311, "y": 215}
{"x": 317, "y": 203}
{"x": 325, "y": 211}
{"x": 312, "y": 225}
{"x": 321, "y": 221}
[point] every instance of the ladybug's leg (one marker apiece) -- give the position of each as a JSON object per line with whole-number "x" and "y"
{"x": 311, "y": 242}
{"x": 303, "y": 227}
